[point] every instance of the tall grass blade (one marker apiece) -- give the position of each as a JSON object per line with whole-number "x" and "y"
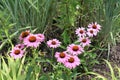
{"x": 111, "y": 70}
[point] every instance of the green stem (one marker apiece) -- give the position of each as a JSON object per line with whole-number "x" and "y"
{"x": 52, "y": 54}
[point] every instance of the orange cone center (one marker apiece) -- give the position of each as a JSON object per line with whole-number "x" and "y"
{"x": 32, "y": 38}
{"x": 53, "y": 42}
{"x": 24, "y": 34}
{"x": 17, "y": 52}
{"x": 75, "y": 48}
{"x": 62, "y": 55}
{"x": 91, "y": 31}
{"x": 71, "y": 60}
{"x": 94, "y": 26}
{"x": 84, "y": 40}
{"x": 81, "y": 31}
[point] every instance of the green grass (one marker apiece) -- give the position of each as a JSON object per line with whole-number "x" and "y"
{"x": 34, "y": 13}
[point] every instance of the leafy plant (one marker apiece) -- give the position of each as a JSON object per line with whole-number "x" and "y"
{"x": 17, "y": 69}
{"x": 12, "y": 69}
{"x": 65, "y": 18}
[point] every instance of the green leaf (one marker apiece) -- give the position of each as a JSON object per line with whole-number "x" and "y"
{"x": 30, "y": 69}
{"x": 66, "y": 37}
{"x": 44, "y": 77}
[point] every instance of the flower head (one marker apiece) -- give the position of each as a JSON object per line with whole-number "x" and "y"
{"x": 24, "y": 34}
{"x": 61, "y": 57}
{"x": 74, "y": 49}
{"x": 81, "y": 32}
{"x": 95, "y": 26}
{"x": 32, "y": 41}
{"x": 54, "y": 43}
{"x": 21, "y": 46}
{"x": 16, "y": 53}
{"x": 72, "y": 62}
{"x": 91, "y": 32}
{"x": 85, "y": 41}
{"x": 41, "y": 36}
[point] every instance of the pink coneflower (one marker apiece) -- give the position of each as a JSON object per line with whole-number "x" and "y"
{"x": 16, "y": 53}
{"x": 74, "y": 49}
{"x": 32, "y": 41}
{"x": 85, "y": 41}
{"x": 72, "y": 62}
{"x": 91, "y": 32}
{"x": 95, "y": 26}
{"x": 41, "y": 36}
{"x": 54, "y": 43}
{"x": 81, "y": 32}
{"x": 21, "y": 46}
{"x": 61, "y": 56}
{"x": 24, "y": 34}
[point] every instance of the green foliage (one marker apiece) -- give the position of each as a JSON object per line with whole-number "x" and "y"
{"x": 109, "y": 18}
{"x": 34, "y": 13}
{"x": 12, "y": 69}
{"x": 88, "y": 57}
{"x": 7, "y": 29}
{"x": 66, "y": 17}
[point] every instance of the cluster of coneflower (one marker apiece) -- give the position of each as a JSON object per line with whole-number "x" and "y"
{"x": 69, "y": 57}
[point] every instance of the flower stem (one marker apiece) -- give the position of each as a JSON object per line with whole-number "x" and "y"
{"x": 52, "y": 54}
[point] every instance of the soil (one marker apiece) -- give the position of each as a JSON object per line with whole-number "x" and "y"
{"x": 115, "y": 55}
